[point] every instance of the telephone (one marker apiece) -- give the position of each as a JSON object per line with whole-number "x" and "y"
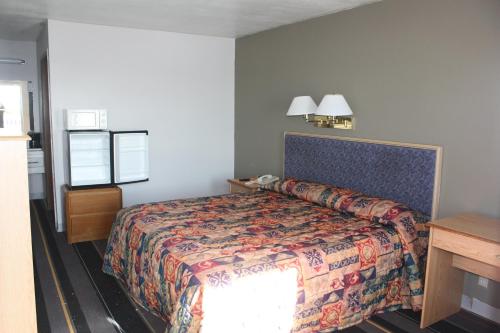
{"x": 263, "y": 180}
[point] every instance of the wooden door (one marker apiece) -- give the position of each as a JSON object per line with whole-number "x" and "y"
{"x": 47, "y": 135}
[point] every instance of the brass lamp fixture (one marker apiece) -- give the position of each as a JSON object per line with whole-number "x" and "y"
{"x": 332, "y": 112}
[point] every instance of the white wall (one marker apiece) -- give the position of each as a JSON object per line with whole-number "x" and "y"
{"x": 179, "y": 87}
{"x": 27, "y": 72}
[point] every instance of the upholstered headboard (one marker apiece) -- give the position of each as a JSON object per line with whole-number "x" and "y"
{"x": 406, "y": 173}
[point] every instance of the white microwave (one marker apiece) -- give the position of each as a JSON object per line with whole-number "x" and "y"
{"x": 85, "y": 119}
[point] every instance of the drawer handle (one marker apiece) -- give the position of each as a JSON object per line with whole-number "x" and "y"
{"x": 33, "y": 162}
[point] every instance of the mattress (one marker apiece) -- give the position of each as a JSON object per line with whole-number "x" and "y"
{"x": 297, "y": 257}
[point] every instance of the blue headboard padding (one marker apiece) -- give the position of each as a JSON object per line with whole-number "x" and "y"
{"x": 403, "y": 174}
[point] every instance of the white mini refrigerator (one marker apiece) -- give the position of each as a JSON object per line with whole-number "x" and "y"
{"x": 107, "y": 157}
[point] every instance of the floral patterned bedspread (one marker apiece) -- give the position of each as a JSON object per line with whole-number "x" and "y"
{"x": 353, "y": 255}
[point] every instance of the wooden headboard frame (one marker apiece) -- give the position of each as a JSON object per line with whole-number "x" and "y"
{"x": 305, "y": 154}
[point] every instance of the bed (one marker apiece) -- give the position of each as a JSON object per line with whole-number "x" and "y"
{"x": 340, "y": 238}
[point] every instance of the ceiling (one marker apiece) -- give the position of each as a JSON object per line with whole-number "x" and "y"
{"x": 21, "y": 19}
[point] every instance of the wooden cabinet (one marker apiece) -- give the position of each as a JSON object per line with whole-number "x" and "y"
{"x": 17, "y": 287}
{"x": 91, "y": 212}
{"x": 238, "y": 186}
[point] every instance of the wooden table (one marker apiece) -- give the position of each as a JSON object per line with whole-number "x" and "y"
{"x": 238, "y": 186}
{"x": 467, "y": 242}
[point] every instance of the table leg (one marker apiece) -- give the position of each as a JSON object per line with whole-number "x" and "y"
{"x": 443, "y": 286}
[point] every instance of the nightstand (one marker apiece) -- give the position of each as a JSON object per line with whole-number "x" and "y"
{"x": 91, "y": 212}
{"x": 467, "y": 242}
{"x": 238, "y": 186}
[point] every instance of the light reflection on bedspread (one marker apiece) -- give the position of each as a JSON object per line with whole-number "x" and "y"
{"x": 203, "y": 258}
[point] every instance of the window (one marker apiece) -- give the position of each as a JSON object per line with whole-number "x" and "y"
{"x": 14, "y": 108}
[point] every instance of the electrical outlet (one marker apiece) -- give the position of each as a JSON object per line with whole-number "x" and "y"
{"x": 483, "y": 282}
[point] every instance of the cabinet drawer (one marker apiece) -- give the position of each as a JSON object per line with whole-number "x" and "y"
{"x": 94, "y": 201}
{"x": 236, "y": 188}
{"x": 233, "y": 188}
{"x": 36, "y": 166}
{"x": 467, "y": 246}
{"x": 35, "y": 163}
{"x": 89, "y": 227}
{"x": 34, "y": 155}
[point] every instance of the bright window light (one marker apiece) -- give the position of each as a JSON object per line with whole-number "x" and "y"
{"x": 263, "y": 302}
{"x": 12, "y": 107}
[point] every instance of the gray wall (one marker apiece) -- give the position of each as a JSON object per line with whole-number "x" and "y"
{"x": 420, "y": 71}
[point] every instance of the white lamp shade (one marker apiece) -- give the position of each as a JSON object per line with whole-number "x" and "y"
{"x": 302, "y": 105}
{"x": 333, "y": 105}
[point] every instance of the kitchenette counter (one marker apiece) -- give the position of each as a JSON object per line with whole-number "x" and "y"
{"x": 36, "y": 171}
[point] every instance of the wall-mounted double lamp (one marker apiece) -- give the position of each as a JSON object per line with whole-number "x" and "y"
{"x": 332, "y": 112}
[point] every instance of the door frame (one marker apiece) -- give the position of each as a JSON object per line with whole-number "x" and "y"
{"x": 48, "y": 145}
